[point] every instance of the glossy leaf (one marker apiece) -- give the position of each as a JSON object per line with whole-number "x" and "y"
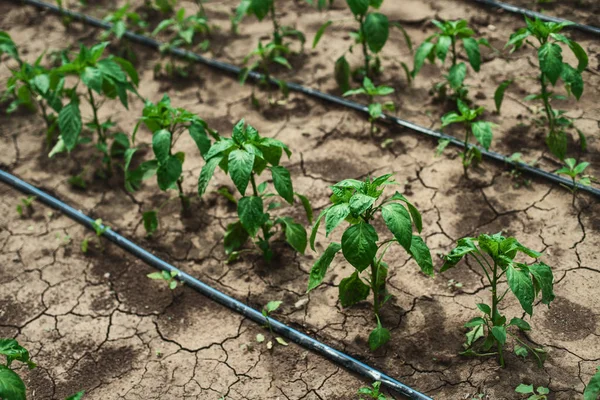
{"x": 353, "y": 290}
{"x": 359, "y": 245}
{"x": 319, "y": 269}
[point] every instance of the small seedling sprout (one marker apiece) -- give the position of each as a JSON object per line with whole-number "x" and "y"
{"x": 539, "y": 393}
{"x": 168, "y": 277}
{"x": 575, "y": 171}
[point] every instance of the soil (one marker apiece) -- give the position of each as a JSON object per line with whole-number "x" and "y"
{"x": 95, "y": 322}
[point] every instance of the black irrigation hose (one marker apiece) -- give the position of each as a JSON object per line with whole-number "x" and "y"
{"x": 222, "y": 66}
{"x": 533, "y": 14}
{"x": 293, "y": 335}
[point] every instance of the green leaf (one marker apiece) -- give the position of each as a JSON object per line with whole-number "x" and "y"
{"x": 485, "y": 309}
{"x": 76, "y": 396}
{"x": 11, "y": 385}
{"x": 240, "y": 169}
{"x": 457, "y": 75}
{"x": 219, "y": 147}
{"x": 544, "y": 281}
{"x": 359, "y": 203}
{"x": 199, "y": 136}
{"x": 465, "y": 246}
{"x": 499, "y": 94}
{"x": 442, "y": 47}
{"x": 499, "y": 332}
{"x": 520, "y": 323}
{"x": 475, "y": 322}
{"x": 283, "y": 183}
{"x": 376, "y": 28}
{"x": 472, "y": 48}
{"x": 112, "y": 69}
{"x": 320, "y": 33}
{"x": 573, "y": 80}
{"x": 422, "y": 255}
{"x": 161, "y": 145}
{"x": 557, "y": 143}
{"x": 522, "y": 287}
{"x": 92, "y": 78}
{"x": 150, "y": 219}
{"x": 69, "y": 123}
{"x": 524, "y": 389}
{"x": 250, "y": 211}
{"x": 315, "y": 228}
{"x": 398, "y": 222}
{"x": 335, "y": 215}
{"x": 378, "y": 337}
{"x": 319, "y": 269}
{"x": 520, "y": 351}
{"x": 272, "y": 306}
{"x": 206, "y": 174}
{"x": 342, "y": 73}
{"x": 551, "y": 63}
{"x": 129, "y": 69}
{"x": 592, "y": 390}
{"x": 359, "y": 245}
{"x": 581, "y": 55}
{"x": 352, "y": 290}
{"x": 295, "y": 234}
{"x": 235, "y": 237}
{"x": 169, "y": 172}
{"x": 260, "y": 8}
{"x": 421, "y": 55}
{"x": 414, "y": 213}
{"x": 13, "y": 350}
{"x": 482, "y": 130}
{"x": 307, "y": 207}
{"x": 358, "y": 7}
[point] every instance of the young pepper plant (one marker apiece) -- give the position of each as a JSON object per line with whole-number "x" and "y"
{"x": 372, "y": 35}
{"x": 592, "y": 390}
{"x": 496, "y": 254}
{"x": 481, "y": 131}
{"x": 123, "y": 19}
{"x": 552, "y": 68}
{"x": 375, "y": 108}
{"x": 355, "y": 202}
{"x": 447, "y": 40}
{"x": 575, "y": 171}
{"x": 373, "y": 392}
{"x": 245, "y": 156}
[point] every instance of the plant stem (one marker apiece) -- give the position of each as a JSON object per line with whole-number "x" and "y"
{"x": 276, "y": 33}
{"x": 375, "y": 286}
{"x": 265, "y": 232}
{"x": 466, "y": 151}
{"x": 364, "y": 46}
{"x": 547, "y": 106}
{"x": 453, "y": 50}
{"x": 185, "y": 203}
{"x": 495, "y": 313}
{"x": 101, "y": 133}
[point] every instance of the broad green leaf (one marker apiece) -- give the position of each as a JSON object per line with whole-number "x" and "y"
{"x": 414, "y": 213}
{"x": 219, "y": 147}
{"x": 161, "y": 145}
{"x": 378, "y": 337}
{"x": 499, "y": 94}
{"x": 551, "y": 63}
{"x": 319, "y": 269}
{"x": 482, "y": 130}
{"x": 441, "y": 48}
{"x": 342, "y": 73}
{"x": 472, "y": 48}
{"x": 283, "y": 183}
{"x": 150, "y": 219}
{"x": 520, "y": 284}
{"x": 573, "y": 80}
{"x": 307, "y": 207}
{"x": 129, "y": 69}
{"x": 475, "y": 322}
{"x": 499, "y": 333}
{"x": 485, "y": 308}
{"x": 320, "y": 33}
{"x": 206, "y": 174}
{"x": 358, "y": 7}
{"x": 359, "y": 245}
{"x": 581, "y": 55}
{"x": 335, "y": 215}
{"x": 352, "y": 290}
{"x": 112, "y": 69}
{"x": 521, "y": 351}
{"x": 14, "y": 352}
{"x": 315, "y": 228}
{"x": 397, "y": 219}
{"x": 272, "y": 306}
{"x": 199, "y": 136}
{"x": 457, "y": 75}
{"x": 376, "y": 28}
{"x": 69, "y": 123}
{"x": 79, "y": 395}
{"x": 524, "y": 389}
{"x": 375, "y": 111}
{"x": 295, "y": 234}
{"x": 544, "y": 281}
{"x": 92, "y": 78}
{"x": 451, "y": 118}
{"x": 250, "y": 211}
{"x": 422, "y": 255}
{"x": 240, "y": 169}
{"x": 169, "y": 172}
{"x": 520, "y": 323}
{"x": 235, "y": 237}
{"x": 421, "y": 55}
{"x": 359, "y": 203}
{"x": 465, "y": 247}
{"x": 592, "y": 390}
{"x": 11, "y": 385}
{"x": 260, "y": 8}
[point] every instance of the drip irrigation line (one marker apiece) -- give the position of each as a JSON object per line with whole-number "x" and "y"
{"x": 533, "y": 14}
{"x": 232, "y": 69}
{"x": 293, "y": 335}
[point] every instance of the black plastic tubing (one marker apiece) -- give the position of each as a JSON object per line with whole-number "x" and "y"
{"x": 232, "y": 69}
{"x": 293, "y": 335}
{"x": 532, "y": 14}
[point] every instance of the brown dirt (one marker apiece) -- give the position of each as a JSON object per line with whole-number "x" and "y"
{"x": 96, "y": 323}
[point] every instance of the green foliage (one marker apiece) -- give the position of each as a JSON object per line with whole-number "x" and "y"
{"x": 320, "y": 4}
{"x": 575, "y": 171}
{"x": 355, "y": 201}
{"x": 528, "y": 390}
{"x": 499, "y": 94}
{"x": 592, "y": 390}
{"x": 162, "y": 6}
{"x": 439, "y": 45}
{"x": 552, "y": 68}
{"x": 100, "y": 229}
{"x": 11, "y": 385}
{"x": 496, "y": 254}
{"x": 122, "y": 20}
{"x": 269, "y": 308}
{"x": 168, "y": 277}
{"x": 481, "y": 131}
{"x": 245, "y": 156}
{"x": 372, "y": 35}
{"x": 373, "y": 392}
{"x": 25, "y": 205}
{"x": 375, "y": 108}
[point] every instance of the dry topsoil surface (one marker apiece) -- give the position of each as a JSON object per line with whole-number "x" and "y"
{"x": 95, "y": 322}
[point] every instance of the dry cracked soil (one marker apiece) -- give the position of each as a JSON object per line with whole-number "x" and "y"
{"x": 95, "y": 322}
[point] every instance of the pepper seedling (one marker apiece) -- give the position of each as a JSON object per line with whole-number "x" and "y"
{"x": 481, "y": 131}
{"x": 375, "y": 108}
{"x": 166, "y": 123}
{"x": 447, "y": 40}
{"x": 245, "y": 156}
{"x": 269, "y": 308}
{"x": 100, "y": 230}
{"x": 575, "y": 172}
{"x": 162, "y": 6}
{"x": 372, "y": 35}
{"x": 592, "y": 390}
{"x": 373, "y": 392}
{"x": 552, "y": 68}
{"x": 496, "y": 254}
{"x": 168, "y": 277}
{"x": 541, "y": 394}
{"x": 25, "y": 205}
{"x": 355, "y": 202}
{"x": 11, "y": 384}
{"x": 122, "y": 20}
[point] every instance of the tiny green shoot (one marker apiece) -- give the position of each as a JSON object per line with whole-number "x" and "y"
{"x": 575, "y": 171}
{"x": 539, "y": 393}
{"x": 372, "y": 392}
{"x": 168, "y": 277}
{"x": 375, "y": 108}
{"x": 25, "y": 205}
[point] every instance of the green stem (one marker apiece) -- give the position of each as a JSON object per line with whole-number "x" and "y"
{"x": 265, "y": 232}
{"x": 365, "y": 49}
{"x": 466, "y": 151}
{"x": 374, "y": 287}
{"x": 276, "y": 33}
{"x": 101, "y": 133}
{"x": 495, "y": 313}
{"x": 547, "y": 106}
{"x": 454, "y": 58}
{"x": 185, "y": 203}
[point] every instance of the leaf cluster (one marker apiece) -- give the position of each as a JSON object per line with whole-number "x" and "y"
{"x": 375, "y": 108}
{"x": 592, "y": 390}
{"x": 184, "y": 29}
{"x": 168, "y": 277}
{"x": 163, "y": 6}
{"x": 373, "y": 392}
{"x": 541, "y": 394}
{"x": 122, "y": 19}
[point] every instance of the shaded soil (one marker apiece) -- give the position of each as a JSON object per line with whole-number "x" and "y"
{"x": 95, "y": 322}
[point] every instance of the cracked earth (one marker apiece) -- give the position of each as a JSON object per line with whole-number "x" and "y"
{"x": 95, "y": 322}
